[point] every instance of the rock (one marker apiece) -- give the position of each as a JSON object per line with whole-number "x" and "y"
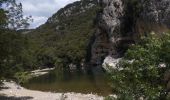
{"x": 156, "y": 11}
{"x": 110, "y": 19}
{"x": 110, "y": 62}
{"x": 109, "y": 23}
{"x": 72, "y": 67}
{"x": 72, "y": 9}
{"x": 118, "y": 26}
{"x": 155, "y": 16}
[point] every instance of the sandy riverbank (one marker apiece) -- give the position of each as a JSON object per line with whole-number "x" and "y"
{"x": 40, "y": 72}
{"x": 12, "y": 90}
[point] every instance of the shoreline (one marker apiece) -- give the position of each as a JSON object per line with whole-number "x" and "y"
{"x": 11, "y": 89}
{"x": 39, "y": 72}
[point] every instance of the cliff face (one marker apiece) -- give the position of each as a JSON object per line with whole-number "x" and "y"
{"x": 155, "y": 16}
{"x": 156, "y": 11}
{"x": 108, "y": 30}
{"x": 120, "y": 23}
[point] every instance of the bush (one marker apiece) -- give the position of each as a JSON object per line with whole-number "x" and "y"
{"x": 142, "y": 75}
{"x": 22, "y": 77}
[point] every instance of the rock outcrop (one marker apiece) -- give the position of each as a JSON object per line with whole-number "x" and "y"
{"x": 110, "y": 63}
{"x": 118, "y": 24}
{"x": 156, "y": 11}
{"x": 73, "y": 9}
{"x": 121, "y": 22}
{"x": 155, "y": 16}
{"x": 109, "y": 22}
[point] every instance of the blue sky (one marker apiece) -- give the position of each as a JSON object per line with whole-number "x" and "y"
{"x": 41, "y": 10}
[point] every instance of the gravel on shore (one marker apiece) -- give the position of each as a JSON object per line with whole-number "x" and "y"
{"x": 11, "y": 89}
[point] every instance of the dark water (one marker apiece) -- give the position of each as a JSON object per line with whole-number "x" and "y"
{"x": 77, "y": 81}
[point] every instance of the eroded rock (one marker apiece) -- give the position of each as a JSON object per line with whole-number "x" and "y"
{"x": 119, "y": 24}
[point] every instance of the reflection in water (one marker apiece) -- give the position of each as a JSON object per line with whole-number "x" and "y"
{"x": 92, "y": 81}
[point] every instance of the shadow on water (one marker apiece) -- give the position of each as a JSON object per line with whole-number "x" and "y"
{"x": 91, "y": 81}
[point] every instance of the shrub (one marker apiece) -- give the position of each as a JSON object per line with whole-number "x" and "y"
{"x": 142, "y": 75}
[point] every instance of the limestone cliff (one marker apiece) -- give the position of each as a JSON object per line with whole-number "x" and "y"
{"x": 120, "y": 22}
{"x": 155, "y": 16}
{"x": 109, "y": 31}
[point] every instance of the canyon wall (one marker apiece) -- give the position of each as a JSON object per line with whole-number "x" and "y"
{"x": 121, "y": 22}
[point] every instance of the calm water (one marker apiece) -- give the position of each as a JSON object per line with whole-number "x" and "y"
{"x": 77, "y": 81}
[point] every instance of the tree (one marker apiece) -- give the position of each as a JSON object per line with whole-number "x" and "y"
{"x": 140, "y": 73}
{"x": 14, "y": 15}
{"x": 11, "y": 42}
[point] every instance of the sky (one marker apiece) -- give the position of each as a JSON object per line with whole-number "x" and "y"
{"x": 41, "y": 10}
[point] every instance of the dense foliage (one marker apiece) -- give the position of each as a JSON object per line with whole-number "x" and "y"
{"x": 12, "y": 43}
{"x": 57, "y": 43}
{"x": 63, "y": 39}
{"x": 140, "y": 74}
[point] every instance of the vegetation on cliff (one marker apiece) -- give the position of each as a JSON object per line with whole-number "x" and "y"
{"x": 63, "y": 39}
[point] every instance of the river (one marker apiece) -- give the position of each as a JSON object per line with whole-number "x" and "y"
{"x": 95, "y": 82}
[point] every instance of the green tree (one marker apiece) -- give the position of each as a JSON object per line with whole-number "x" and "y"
{"x": 11, "y": 42}
{"x": 140, "y": 73}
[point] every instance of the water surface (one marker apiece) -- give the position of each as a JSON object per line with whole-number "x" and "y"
{"x": 77, "y": 81}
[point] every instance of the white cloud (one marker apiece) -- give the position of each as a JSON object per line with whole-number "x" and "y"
{"x": 38, "y": 20}
{"x": 41, "y": 10}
